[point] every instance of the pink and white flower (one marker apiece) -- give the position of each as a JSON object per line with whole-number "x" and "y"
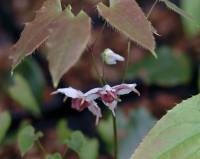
{"x": 81, "y": 101}
{"x": 110, "y": 95}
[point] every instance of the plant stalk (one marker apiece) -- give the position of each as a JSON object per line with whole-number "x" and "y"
{"x": 151, "y": 9}
{"x": 115, "y": 138}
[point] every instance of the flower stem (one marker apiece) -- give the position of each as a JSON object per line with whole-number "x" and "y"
{"x": 41, "y": 148}
{"x": 153, "y": 6}
{"x": 115, "y": 139}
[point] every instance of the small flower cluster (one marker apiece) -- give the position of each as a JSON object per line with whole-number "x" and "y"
{"x": 109, "y": 96}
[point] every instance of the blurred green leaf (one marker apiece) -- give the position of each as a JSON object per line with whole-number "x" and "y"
{"x": 168, "y": 70}
{"x": 55, "y": 156}
{"x": 90, "y": 150}
{"x": 76, "y": 141}
{"x": 105, "y": 130}
{"x": 32, "y": 72}
{"x": 192, "y": 7}
{"x": 176, "y": 135}
{"x": 199, "y": 79}
{"x": 21, "y": 93}
{"x": 26, "y": 138}
{"x": 5, "y": 121}
{"x": 84, "y": 147}
{"x": 63, "y": 131}
{"x": 133, "y": 127}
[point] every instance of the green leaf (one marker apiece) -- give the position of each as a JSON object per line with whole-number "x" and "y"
{"x": 76, "y": 141}
{"x": 91, "y": 146}
{"x": 176, "y": 9}
{"x": 169, "y": 70}
{"x": 136, "y": 124}
{"x": 199, "y": 79}
{"x": 32, "y": 72}
{"x": 21, "y": 93}
{"x": 27, "y": 138}
{"x": 128, "y": 18}
{"x": 5, "y": 121}
{"x": 192, "y": 7}
{"x": 35, "y": 32}
{"x": 176, "y": 135}
{"x": 63, "y": 131}
{"x": 105, "y": 130}
{"x": 67, "y": 42}
{"x": 84, "y": 147}
{"x": 55, "y": 156}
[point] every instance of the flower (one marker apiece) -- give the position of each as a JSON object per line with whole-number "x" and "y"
{"x": 110, "y": 57}
{"x": 110, "y": 95}
{"x": 81, "y": 101}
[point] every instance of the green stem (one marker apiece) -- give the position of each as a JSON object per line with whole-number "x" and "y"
{"x": 115, "y": 139}
{"x": 127, "y": 61}
{"x": 153, "y": 6}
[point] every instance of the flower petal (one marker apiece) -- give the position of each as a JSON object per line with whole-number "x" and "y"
{"x": 95, "y": 110}
{"x": 111, "y": 106}
{"x": 126, "y": 89}
{"x": 93, "y": 94}
{"x": 111, "y": 57}
{"x": 69, "y": 92}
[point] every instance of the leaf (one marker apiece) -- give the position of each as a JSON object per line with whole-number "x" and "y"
{"x": 26, "y": 139}
{"x": 176, "y": 9}
{"x": 80, "y": 144}
{"x": 127, "y": 17}
{"x": 76, "y": 141}
{"x": 55, "y": 156}
{"x": 106, "y": 132}
{"x": 169, "y": 70}
{"x": 67, "y": 42}
{"x": 192, "y": 7}
{"x": 5, "y": 121}
{"x": 21, "y": 93}
{"x": 176, "y": 135}
{"x": 32, "y": 72}
{"x": 63, "y": 131}
{"x": 35, "y": 32}
{"x": 137, "y": 125}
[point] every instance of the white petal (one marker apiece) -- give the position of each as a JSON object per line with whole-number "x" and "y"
{"x": 95, "y": 111}
{"x": 93, "y": 94}
{"x": 111, "y": 106}
{"x": 111, "y": 57}
{"x": 126, "y": 89}
{"x": 69, "y": 92}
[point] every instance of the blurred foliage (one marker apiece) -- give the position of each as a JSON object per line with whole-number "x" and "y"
{"x": 176, "y": 134}
{"x": 32, "y": 72}
{"x": 169, "y": 70}
{"x": 77, "y": 141}
{"x": 21, "y": 92}
{"x": 55, "y": 156}
{"x": 27, "y": 138}
{"x": 105, "y": 130}
{"x": 192, "y": 7}
{"x": 5, "y": 121}
{"x": 63, "y": 131}
{"x": 131, "y": 129}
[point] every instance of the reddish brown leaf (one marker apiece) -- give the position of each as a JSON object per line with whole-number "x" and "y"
{"x": 127, "y": 17}
{"x": 35, "y": 32}
{"x": 67, "y": 42}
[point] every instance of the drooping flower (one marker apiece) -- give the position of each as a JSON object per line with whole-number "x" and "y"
{"x": 81, "y": 101}
{"x": 110, "y": 95}
{"x": 110, "y": 57}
